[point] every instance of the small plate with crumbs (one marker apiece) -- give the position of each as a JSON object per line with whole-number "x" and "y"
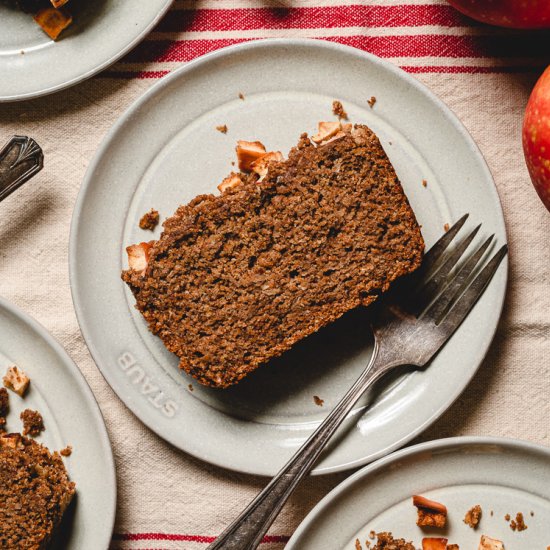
{"x": 95, "y": 34}
{"x": 44, "y": 397}
{"x": 264, "y": 95}
{"x": 490, "y": 490}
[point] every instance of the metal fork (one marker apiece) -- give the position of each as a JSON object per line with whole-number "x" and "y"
{"x": 420, "y": 317}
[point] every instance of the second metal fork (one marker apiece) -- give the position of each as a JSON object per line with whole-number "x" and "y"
{"x": 409, "y": 330}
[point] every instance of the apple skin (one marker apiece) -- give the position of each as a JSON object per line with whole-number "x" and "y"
{"x": 536, "y": 137}
{"x": 516, "y": 14}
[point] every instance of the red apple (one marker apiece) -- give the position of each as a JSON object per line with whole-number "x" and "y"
{"x": 536, "y": 137}
{"x": 517, "y": 14}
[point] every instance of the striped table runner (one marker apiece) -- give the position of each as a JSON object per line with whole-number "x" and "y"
{"x": 421, "y": 36}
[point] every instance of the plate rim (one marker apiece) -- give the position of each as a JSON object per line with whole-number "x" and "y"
{"x": 83, "y": 385}
{"x": 99, "y": 68}
{"x": 158, "y": 87}
{"x": 445, "y": 443}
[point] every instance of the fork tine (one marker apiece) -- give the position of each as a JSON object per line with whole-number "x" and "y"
{"x": 456, "y": 287}
{"x": 435, "y": 285}
{"x": 437, "y": 250}
{"x": 457, "y": 310}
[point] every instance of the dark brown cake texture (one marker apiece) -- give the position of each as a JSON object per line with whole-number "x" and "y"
{"x": 34, "y": 493}
{"x": 238, "y": 279}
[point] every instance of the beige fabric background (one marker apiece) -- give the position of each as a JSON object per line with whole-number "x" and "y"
{"x": 164, "y": 490}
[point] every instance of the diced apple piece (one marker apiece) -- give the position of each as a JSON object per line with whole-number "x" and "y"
{"x": 248, "y": 152}
{"x": 138, "y": 256}
{"x": 261, "y": 165}
{"x": 16, "y": 380}
{"x": 423, "y": 502}
{"x": 487, "y": 543}
{"x": 325, "y": 131}
{"x": 434, "y": 543}
{"x": 233, "y": 180}
{"x": 53, "y": 21}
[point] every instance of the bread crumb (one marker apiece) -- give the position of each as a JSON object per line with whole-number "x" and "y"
{"x": 507, "y": 517}
{"x": 318, "y": 401}
{"x": 149, "y": 220}
{"x": 241, "y": 96}
{"x": 446, "y": 227}
{"x": 491, "y": 513}
{"x": 424, "y": 183}
{"x": 16, "y": 380}
{"x": 371, "y": 101}
{"x": 222, "y": 128}
{"x": 33, "y": 423}
{"x": 191, "y": 388}
{"x": 532, "y": 513}
{"x": 372, "y": 534}
{"x": 338, "y": 110}
{"x": 358, "y": 545}
{"x": 518, "y": 524}
{"x": 67, "y": 451}
{"x": 472, "y": 517}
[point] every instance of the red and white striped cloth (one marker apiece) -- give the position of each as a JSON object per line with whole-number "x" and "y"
{"x": 168, "y": 500}
{"x": 421, "y": 36}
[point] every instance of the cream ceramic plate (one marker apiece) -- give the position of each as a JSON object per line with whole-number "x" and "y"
{"x": 503, "y": 476}
{"x": 165, "y": 150}
{"x": 71, "y": 417}
{"x": 32, "y": 65}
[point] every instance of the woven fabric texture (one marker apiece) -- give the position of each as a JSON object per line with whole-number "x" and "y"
{"x": 167, "y": 499}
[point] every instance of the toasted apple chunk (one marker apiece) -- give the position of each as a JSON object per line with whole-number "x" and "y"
{"x": 487, "y": 543}
{"x": 16, "y": 380}
{"x": 434, "y": 543}
{"x": 53, "y": 21}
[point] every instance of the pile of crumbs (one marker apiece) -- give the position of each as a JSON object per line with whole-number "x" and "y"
{"x": 427, "y": 511}
{"x": 517, "y": 524}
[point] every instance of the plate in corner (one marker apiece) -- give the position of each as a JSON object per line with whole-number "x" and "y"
{"x": 59, "y": 392}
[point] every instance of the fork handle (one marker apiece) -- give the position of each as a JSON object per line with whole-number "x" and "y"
{"x": 248, "y": 530}
{"x": 20, "y": 159}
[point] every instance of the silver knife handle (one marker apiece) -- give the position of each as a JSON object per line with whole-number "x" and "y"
{"x": 20, "y": 159}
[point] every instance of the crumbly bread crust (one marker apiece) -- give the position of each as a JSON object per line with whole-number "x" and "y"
{"x": 238, "y": 279}
{"x": 34, "y": 493}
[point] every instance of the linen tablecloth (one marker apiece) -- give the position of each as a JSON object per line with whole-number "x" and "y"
{"x": 167, "y": 499}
